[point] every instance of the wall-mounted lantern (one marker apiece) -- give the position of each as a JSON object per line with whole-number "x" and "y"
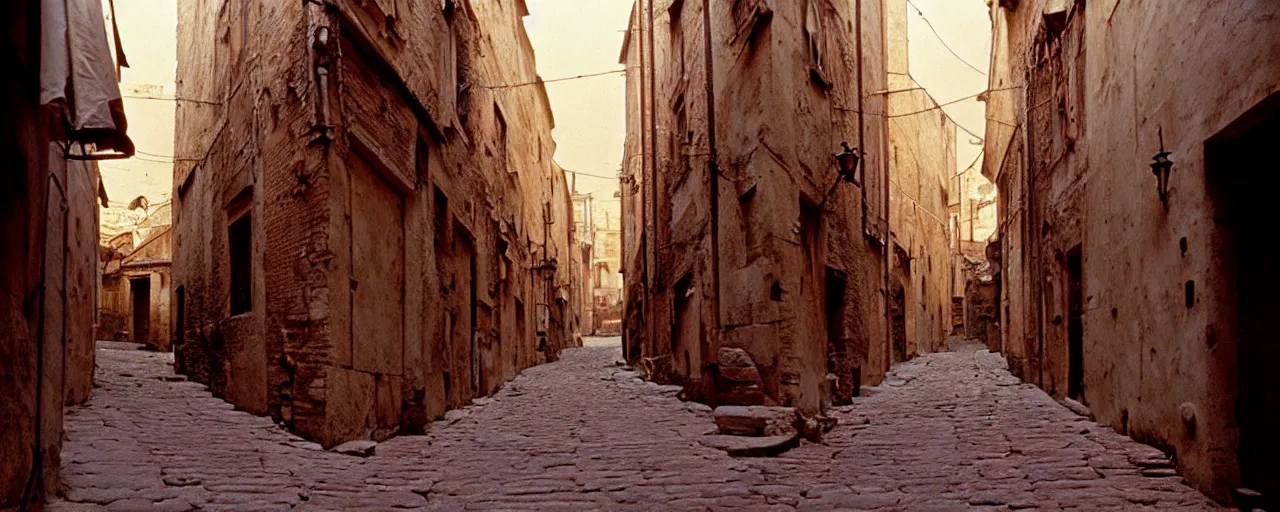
{"x": 848, "y": 161}
{"x": 847, "y": 166}
{"x": 1160, "y": 166}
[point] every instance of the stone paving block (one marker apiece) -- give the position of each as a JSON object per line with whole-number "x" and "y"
{"x": 578, "y": 435}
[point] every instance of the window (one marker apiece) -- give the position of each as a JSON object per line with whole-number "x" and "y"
{"x": 502, "y": 138}
{"x": 450, "y": 80}
{"x": 677, "y": 37}
{"x": 813, "y": 34}
{"x": 680, "y": 136}
{"x": 440, "y": 205}
{"x": 240, "y": 255}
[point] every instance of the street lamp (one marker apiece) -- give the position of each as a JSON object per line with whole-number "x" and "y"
{"x": 847, "y": 162}
{"x": 1160, "y": 166}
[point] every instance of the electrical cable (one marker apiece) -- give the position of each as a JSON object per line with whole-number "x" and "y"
{"x": 554, "y": 80}
{"x": 590, "y": 176}
{"x": 135, "y": 97}
{"x": 940, "y": 40}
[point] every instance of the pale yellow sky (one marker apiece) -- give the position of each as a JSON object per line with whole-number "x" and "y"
{"x": 576, "y": 37}
{"x": 148, "y": 33}
{"x": 570, "y": 37}
{"x": 965, "y": 25}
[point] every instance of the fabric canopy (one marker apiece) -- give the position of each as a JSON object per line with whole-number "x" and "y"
{"x": 78, "y": 79}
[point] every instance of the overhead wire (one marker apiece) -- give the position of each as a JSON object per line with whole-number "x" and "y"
{"x": 554, "y": 80}
{"x": 190, "y": 100}
{"x": 592, "y": 175}
{"x": 943, "y": 41}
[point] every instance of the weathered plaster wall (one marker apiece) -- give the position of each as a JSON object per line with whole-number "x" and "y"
{"x": 48, "y": 227}
{"x": 922, "y": 157}
{"x": 409, "y": 227}
{"x": 782, "y": 112}
{"x": 1160, "y": 358}
{"x": 151, "y": 260}
{"x": 1193, "y": 86}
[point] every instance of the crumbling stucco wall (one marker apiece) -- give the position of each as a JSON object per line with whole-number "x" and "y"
{"x": 48, "y": 276}
{"x": 1158, "y": 300}
{"x": 410, "y": 235}
{"x": 151, "y": 262}
{"x": 922, "y": 157}
{"x": 799, "y": 275}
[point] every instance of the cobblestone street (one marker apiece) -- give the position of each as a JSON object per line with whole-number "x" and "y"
{"x": 946, "y": 431}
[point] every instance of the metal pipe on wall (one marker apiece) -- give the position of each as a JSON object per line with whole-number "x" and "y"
{"x": 713, "y": 164}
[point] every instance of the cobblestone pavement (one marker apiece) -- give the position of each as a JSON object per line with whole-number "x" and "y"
{"x": 946, "y": 431}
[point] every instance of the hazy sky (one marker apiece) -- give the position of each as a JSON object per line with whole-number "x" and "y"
{"x": 575, "y": 37}
{"x": 965, "y": 25}
{"x": 570, "y": 37}
{"x": 148, "y": 33}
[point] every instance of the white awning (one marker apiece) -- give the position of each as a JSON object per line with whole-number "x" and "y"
{"x": 79, "y": 80}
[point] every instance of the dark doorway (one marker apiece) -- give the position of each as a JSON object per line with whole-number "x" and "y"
{"x": 686, "y": 330}
{"x": 180, "y": 322}
{"x": 140, "y": 289}
{"x": 837, "y": 349}
{"x": 1243, "y": 176}
{"x": 1075, "y": 324}
{"x": 898, "y": 312}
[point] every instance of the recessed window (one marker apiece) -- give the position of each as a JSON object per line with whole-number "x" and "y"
{"x": 240, "y": 255}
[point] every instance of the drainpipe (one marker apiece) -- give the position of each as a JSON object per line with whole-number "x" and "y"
{"x": 861, "y": 120}
{"x": 711, "y": 369}
{"x": 645, "y": 230}
{"x": 713, "y": 163}
{"x": 1033, "y": 230}
{"x": 653, "y": 176}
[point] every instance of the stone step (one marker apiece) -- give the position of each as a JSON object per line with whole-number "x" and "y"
{"x": 756, "y": 420}
{"x": 739, "y": 446}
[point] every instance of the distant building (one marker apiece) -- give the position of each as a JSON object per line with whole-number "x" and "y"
{"x": 599, "y": 230}
{"x": 136, "y": 282}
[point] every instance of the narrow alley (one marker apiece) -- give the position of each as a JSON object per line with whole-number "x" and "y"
{"x": 639, "y": 255}
{"x": 947, "y": 430}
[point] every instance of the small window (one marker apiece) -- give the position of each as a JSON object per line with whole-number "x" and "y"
{"x": 813, "y": 34}
{"x": 441, "y": 213}
{"x": 501, "y": 122}
{"x": 240, "y": 254}
{"x": 680, "y": 136}
{"x": 677, "y": 37}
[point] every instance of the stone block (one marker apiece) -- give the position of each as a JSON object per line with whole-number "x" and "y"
{"x": 755, "y": 420}
{"x": 359, "y": 448}
{"x": 748, "y": 375}
{"x": 738, "y": 446}
{"x": 735, "y": 358}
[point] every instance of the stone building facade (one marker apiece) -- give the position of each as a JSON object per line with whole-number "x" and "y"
{"x": 922, "y": 158}
{"x": 49, "y": 261}
{"x": 370, "y": 228}
{"x": 598, "y": 224}
{"x": 745, "y": 280}
{"x": 134, "y": 300}
{"x": 1149, "y": 307}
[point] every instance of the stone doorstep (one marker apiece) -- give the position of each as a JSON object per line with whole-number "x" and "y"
{"x": 739, "y": 446}
{"x": 359, "y": 448}
{"x": 756, "y": 420}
